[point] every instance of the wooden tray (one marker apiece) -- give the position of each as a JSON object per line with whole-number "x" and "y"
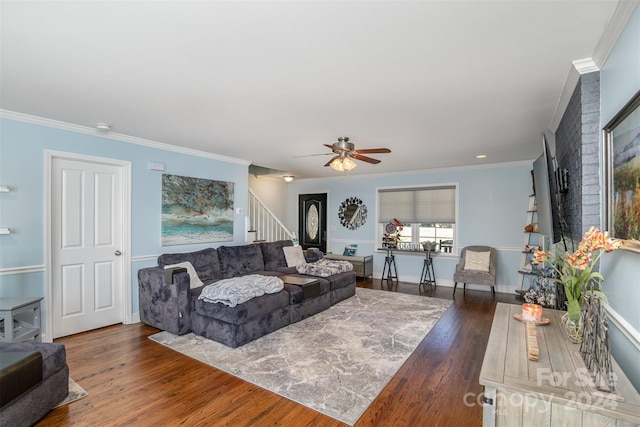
{"x": 544, "y": 320}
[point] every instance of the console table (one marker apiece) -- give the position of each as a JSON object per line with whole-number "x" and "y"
{"x": 556, "y": 390}
{"x": 20, "y": 319}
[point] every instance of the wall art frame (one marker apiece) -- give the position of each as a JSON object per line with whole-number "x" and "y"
{"x": 196, "y": 210}
{"x": 622, "y": 175}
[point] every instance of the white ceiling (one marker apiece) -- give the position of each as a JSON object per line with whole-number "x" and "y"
{"x": 436, "y": 82}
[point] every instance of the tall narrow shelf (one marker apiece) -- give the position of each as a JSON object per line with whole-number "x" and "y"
{"x": 531, "y": 238}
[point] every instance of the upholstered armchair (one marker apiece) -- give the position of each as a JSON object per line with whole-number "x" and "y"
{"x": 477, "y": 266}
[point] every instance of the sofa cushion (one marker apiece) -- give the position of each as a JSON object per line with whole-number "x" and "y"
{"x": 240, "y": 260}
{"x": 273, "y": 254}
{"x": 294, "y": 256}
{"x": 204, "y": 261}
{"x": 242, "y": 313}
{"x": 19, "y": 371}
{"x": 54, "y": 356}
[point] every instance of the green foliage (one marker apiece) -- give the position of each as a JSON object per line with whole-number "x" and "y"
{"x": 626, "y": 209}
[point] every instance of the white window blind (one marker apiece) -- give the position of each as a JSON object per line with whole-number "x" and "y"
{"x": 418, "y": 205}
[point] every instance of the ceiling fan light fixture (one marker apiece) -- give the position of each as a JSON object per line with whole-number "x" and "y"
{"x": 342, "y": 164}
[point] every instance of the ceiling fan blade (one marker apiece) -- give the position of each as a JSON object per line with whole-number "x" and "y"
{"x": 335, "y": 148}
{"x": 311, "y": 155}
{"x": 329, "y": 162}
{"x": 373, "y": 150}
{"x": 364, "y": 158}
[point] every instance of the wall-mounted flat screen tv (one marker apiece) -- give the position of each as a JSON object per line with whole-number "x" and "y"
{"x": 544, "y": 178}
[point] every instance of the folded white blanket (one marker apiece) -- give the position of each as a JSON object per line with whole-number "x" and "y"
{"x": 324, "y": 267}
{"x": 238, "y": 290}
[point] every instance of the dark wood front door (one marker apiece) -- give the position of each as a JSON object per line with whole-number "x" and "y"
{"x": 312, "y": 221}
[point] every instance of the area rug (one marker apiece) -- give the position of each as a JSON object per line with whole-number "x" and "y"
{"x": 75, "y": 393}
{"x": 335, "y": 362}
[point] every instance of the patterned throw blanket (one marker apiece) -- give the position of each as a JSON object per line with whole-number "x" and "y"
{"x": 324, "y": 267}
{"x": 237, "y": 290}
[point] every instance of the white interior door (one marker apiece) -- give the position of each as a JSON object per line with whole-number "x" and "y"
{"x": 86, "y": 245}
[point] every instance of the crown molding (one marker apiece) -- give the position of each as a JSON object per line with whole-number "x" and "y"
{"x": 622, "y": 14}
{"x": 615, "y": 27}
{"x": 56, "y": 124}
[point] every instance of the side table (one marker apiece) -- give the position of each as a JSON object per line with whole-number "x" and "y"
{"x": 20, "y": 319}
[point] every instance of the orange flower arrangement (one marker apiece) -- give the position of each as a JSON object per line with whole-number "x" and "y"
{"x": 576, "y": 270}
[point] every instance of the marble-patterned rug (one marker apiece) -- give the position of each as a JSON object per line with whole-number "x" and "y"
{"x": 335, "y": 362}
{"x": 76, "y": 392}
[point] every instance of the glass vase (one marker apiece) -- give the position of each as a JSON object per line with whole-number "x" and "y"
{"x": 574, "y": 329}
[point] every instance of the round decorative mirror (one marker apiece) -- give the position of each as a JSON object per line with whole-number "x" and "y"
{"x": 352, "y": 213}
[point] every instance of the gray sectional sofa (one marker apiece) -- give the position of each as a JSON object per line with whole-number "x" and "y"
{"x": 168, "y": 302}
{"x": 34, "y": 378}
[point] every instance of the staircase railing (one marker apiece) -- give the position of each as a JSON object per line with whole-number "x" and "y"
{"x": 264, "y": 223}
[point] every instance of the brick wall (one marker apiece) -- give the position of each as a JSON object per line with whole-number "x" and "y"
{"x": 577, "y": 150}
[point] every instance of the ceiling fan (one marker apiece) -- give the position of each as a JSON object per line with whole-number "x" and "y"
{"x": 346, "y": 151}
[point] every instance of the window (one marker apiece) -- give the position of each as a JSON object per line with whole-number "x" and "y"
{"x": 426, "y": 213}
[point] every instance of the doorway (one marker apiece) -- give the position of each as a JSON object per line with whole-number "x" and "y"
{"x": 312, "y": 221}
{"x": 88, "y": 258}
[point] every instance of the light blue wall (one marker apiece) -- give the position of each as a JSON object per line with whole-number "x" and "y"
{"x": 619, "y": 81}
{"x": 492, "y": 211}
{"x": 22, "y": 154}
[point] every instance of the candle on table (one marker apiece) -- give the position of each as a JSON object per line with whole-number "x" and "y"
{"x": 531, "y": 312}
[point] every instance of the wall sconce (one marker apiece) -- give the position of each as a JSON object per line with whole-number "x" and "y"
{"x": 342, "y": 164}
{"x": 288, "y": 178}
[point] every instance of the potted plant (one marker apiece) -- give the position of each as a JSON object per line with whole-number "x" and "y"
{"x": 575, "y": 273}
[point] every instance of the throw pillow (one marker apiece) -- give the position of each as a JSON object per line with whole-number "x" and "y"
{"x": 350, "y": 250}
{"x": 294, "y": 256}
{"x": 478, "y": 261}
{"x": 195, "y": 281}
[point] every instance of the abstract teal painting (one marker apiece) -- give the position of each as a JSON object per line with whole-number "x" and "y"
{"x": 196, "y": 210}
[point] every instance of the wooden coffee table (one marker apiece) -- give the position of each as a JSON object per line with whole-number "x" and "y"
{"x": 310, "y": 286}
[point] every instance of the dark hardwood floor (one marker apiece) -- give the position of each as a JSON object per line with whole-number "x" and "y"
{"x": 132, "y": 380}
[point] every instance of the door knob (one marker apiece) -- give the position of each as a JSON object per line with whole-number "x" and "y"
{"x": 118, "y": 253}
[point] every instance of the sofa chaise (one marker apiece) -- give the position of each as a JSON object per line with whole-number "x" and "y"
{"x": 34, "y": 379}
{"x": 169, "y": 300}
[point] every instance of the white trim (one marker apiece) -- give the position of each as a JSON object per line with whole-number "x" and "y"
{"x": 625, "y": 327}
{"x": 25, "y": 118}
{"x": 50, "y": 155}
{"x": 22, "y": 270}
{"x": 569, "y": 86}
{"x": 359, "y": 242}
{"x": 144, "y": 258}
{"x": 584, "y": 66}
{"x": 622, "y": 14}
{"x": 421, "y": 171}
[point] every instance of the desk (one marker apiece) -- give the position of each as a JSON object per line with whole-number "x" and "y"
{"x": 390, "y": 271}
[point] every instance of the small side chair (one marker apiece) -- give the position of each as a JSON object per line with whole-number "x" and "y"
{"x": 477, "y": 266}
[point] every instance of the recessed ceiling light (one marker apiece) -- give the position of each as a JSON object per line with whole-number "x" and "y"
{"x": 481, "y": 156}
